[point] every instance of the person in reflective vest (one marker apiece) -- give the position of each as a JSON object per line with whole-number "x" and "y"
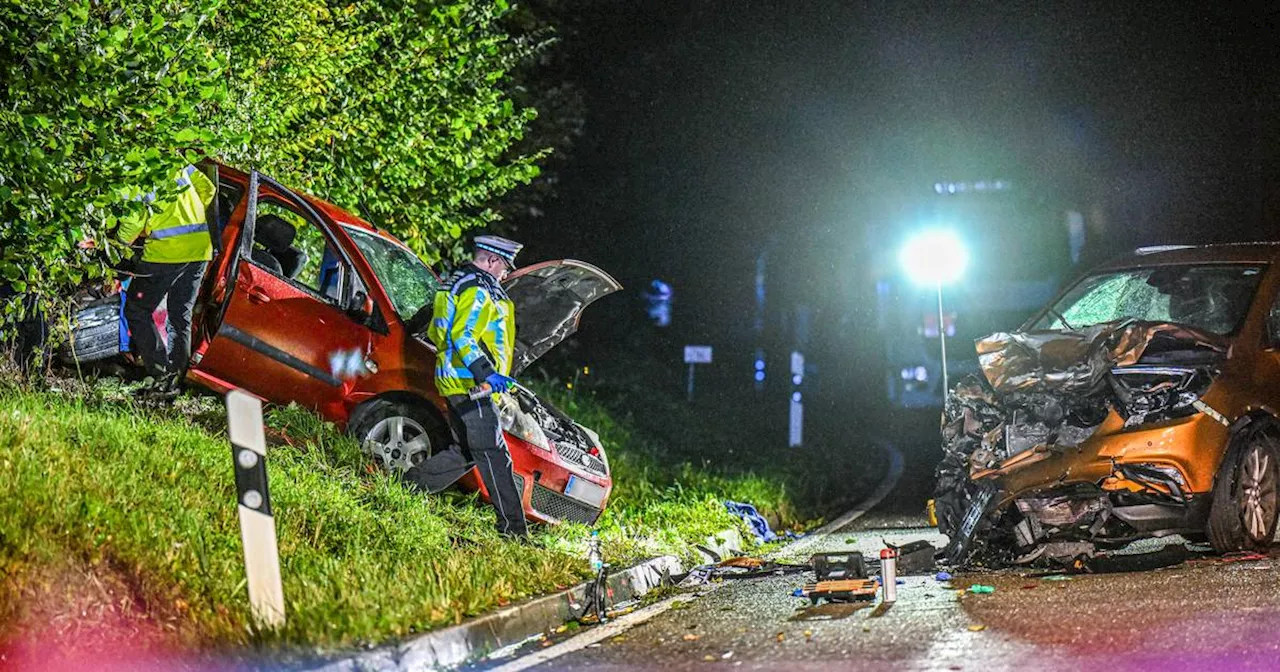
{"x": 473, "y": 330}
{"x": 176, "y": 248}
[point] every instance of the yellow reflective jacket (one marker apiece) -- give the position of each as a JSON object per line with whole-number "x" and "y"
{"x": 176, "y": 232}
{"x": 473, "y": 327}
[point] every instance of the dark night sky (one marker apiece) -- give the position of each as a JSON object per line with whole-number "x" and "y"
{"x": 715, "y": 125}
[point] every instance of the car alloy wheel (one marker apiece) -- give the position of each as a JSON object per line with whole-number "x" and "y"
{"x": 397, "y": 443}
{"x": 1246, "y": 491}
{"x": 1258, "y": 490}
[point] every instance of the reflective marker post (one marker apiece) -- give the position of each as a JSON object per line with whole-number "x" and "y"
{"x": 257, "y": 526}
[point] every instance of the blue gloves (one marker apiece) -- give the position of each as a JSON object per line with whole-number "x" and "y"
{"x": 499, "y": 382}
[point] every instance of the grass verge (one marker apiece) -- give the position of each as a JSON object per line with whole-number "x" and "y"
{"x": 140, "y": 502}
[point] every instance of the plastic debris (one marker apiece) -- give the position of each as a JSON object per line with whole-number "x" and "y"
{"x": 943, "y": 576}
{"x": 977, "y": 628}
{"x": 915, "y": 557}
{"x": 798, "y": 592}
{"x": 980, "y": 589}
{"x": 841, "y": 591}
{"x": 755, "y": 522}
{"x": 838, "y": 566}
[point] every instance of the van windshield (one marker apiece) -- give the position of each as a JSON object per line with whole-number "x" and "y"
{"x": 409, "y": 283}
{"x": 1212, "y": 298}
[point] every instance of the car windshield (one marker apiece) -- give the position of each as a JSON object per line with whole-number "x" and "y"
{"x": 1213, "y": 298}
{"x": 408, "y": 282}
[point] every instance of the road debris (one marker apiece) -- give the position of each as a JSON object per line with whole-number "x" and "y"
{"x": 840, "y": 591}
{"x": 942, "y": 576}
{"x": 838, "y": 566}
{"x": 977, "y": 628}
{"x": 755, "y": 522}
{"x": 889, "y": 574}
{"x": 916, "y": 557}
{"x": 979, "y": 589}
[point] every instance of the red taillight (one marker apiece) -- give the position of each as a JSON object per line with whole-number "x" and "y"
{"x": 593, "y": 451}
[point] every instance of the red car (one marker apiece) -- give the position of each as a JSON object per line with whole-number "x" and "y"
{"x": 306, "y": 303}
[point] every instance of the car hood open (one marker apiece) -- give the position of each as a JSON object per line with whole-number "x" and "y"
{"x": 549, "y": 298}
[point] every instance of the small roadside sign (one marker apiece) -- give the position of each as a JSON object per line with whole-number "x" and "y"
{"x": 697, "y": 354}
{"x": 694, "y": 355}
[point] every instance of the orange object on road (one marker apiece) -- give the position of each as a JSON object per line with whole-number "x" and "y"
{"x": 844, "y": 590}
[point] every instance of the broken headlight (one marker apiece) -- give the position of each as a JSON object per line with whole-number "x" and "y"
{"x": 520, "y": 424}
{"x": 1152, "y": 393}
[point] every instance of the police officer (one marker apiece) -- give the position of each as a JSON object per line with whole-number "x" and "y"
{"x": 175, "y": 252}
{"x": 474, "y": 331}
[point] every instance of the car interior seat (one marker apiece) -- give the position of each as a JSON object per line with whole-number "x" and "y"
{"x": 276, "y": 235}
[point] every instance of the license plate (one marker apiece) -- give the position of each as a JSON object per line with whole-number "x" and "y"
{"x": 584, "y": 491}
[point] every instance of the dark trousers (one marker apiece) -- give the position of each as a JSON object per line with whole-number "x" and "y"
{"x": 488, "y": 449}
{"x": 152, "y": 284}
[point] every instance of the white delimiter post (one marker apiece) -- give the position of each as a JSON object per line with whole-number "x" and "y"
{"x": 257, "y": 526}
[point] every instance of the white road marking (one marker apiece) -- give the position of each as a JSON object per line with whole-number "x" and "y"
{"x": 611, "y": 629}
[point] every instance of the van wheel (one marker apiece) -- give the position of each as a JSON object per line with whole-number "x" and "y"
{"x": 1245, "y": 499}
{"x": 398, "y": 434}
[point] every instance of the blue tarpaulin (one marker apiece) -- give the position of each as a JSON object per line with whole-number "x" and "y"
{"x": 755, "y": 522}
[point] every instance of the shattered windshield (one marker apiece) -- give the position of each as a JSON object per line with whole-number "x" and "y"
{"x": 408, "y": 282}
{"x": 1213, "y": 298}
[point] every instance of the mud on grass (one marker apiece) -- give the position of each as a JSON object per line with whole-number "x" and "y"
{"x": 143, "y": 499}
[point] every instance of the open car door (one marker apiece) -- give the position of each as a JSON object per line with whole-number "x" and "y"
{"x": 549, "y": 299}
{"x": 295, "y": 333}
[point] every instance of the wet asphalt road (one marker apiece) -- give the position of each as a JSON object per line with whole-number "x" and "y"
{"x": 1205, "y": 614}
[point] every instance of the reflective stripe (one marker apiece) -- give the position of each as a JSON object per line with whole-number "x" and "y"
{"x": 178, "y": 231}
{"x": 507, "y": 256}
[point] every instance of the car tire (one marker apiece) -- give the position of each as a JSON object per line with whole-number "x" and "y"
{"x": 1246, "y": 492}
{"x": 398, "y": 434}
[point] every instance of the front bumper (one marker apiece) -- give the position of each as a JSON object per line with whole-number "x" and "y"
{"x": 543, "y": 479}
{"x": 1193, "y": 445}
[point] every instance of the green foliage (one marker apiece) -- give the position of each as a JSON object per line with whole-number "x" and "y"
{"x": 400, "y": 110}
{"x": 99, "y": 96}
{"x": 397, "y": 110}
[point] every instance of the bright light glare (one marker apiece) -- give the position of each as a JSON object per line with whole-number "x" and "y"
{"x": 934, "y": 257}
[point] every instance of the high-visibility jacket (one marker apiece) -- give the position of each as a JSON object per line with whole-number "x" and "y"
{"x": 176, "y": 232}
{"x": 473, "y": 327}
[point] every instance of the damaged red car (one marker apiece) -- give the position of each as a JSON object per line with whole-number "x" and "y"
{"x": 307, "y": 303}
{"x": 1141, "y": 402}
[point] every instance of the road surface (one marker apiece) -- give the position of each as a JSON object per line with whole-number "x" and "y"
{"x": 1205, "y": 614}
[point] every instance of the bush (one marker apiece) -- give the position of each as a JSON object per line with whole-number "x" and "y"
{"x": 396, "y": 109}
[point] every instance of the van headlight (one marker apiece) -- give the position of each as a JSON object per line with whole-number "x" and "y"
{"x": 520, "y": 424}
